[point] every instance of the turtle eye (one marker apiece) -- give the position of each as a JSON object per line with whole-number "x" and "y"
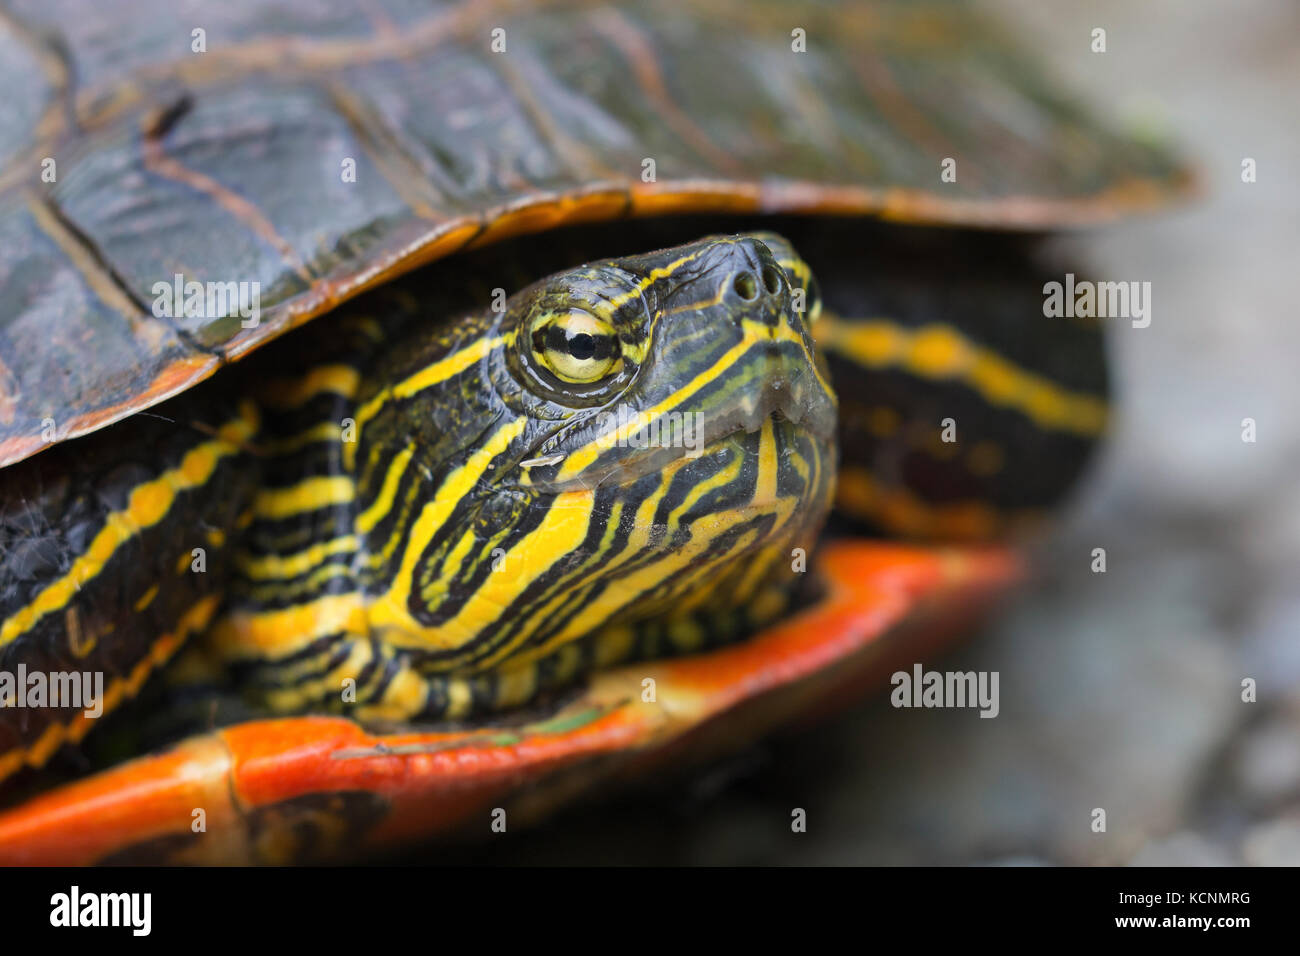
{"x": 576, "y": 346}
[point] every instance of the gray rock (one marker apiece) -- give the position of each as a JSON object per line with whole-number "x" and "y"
{"x": 1276, "y": 843}
{"x": 1183, "y": 849}
{"x": 1267, "y": 762}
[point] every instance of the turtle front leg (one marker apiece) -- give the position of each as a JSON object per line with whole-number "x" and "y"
{"x": 113, "y": 553}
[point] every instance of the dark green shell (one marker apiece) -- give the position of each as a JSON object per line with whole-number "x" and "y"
{"x": 464, "y": 123}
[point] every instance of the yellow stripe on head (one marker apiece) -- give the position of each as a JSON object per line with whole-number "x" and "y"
{"x": 610, "y": 306}
{"x": 433, "y": 374}
{"x": 391, "y": 609}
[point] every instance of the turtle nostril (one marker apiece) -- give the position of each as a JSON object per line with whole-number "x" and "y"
{"x": 771, "y": 280}
{"x": 746, "y": 286}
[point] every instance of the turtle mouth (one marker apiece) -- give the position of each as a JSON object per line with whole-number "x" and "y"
{"x": 629, "y": 446}
{"x": 796, "y": 399}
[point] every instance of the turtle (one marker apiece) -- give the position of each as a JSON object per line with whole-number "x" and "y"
{"x": 672, "y": 374}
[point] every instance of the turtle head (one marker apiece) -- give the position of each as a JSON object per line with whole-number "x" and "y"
{"x": 649, "y": 438}
{"x": 679, "y": 366}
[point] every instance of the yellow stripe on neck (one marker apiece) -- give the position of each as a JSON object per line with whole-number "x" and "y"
{"x": 900, "y": 511}
{"x": 126, "y": 686}
{"x": 306, "y": 496}
{"x": 337, "y": 379}
{"x": 940, "y": 352}
{"x": 147, "y": 505}
{"x": 270, "y": 566}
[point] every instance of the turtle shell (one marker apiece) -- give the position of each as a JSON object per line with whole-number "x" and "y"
{"x": 318, "y": 149}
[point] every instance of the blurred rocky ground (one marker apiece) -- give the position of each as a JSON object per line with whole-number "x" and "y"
{"x": 1119, "y": 690}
